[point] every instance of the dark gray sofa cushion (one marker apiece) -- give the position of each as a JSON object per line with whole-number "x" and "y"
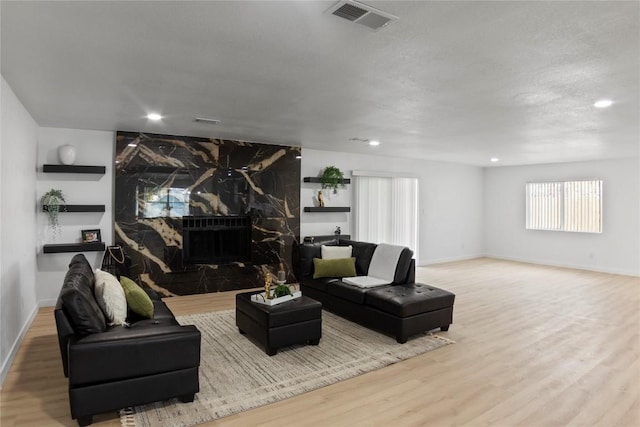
{"x": 363, "y": 252}
{"x": 347, "y": 292}
{"x": 78, "y": 300}
{"x": 321, "y": 283}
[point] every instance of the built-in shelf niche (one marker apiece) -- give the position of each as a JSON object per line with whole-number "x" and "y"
{"x": 76, "y": 208}
{"x": 74, "y": 169}
{"x": 316, "y": 180}
{"x": 327, "y": 209}
{"x": 73, "y": 247}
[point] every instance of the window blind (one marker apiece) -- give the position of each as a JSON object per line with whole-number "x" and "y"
{"x": 574, "y": 206}
{"x": 386, "y": 210}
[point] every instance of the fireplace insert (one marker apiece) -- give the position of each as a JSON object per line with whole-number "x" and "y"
{"x": 216, "y": 239}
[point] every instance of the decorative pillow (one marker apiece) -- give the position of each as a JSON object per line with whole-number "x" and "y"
{"x": 137, "y": 299}
{"x": 339, "y": 267}
{"x": 110, "y": 297}
{"x": 336, "y": 252}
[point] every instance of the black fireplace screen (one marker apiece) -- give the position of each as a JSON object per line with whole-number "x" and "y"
{"x": 216, "y": 239}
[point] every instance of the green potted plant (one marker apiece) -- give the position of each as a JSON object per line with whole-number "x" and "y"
{"x": 332, "y": 177}
{"x": 281, "y": 291}
{"x": 50, "y": 202}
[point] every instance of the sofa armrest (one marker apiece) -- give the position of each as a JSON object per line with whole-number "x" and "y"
{"x": 132, "y": 352}
{"x": 406, "y": 268}
{"x": 307, "y": 252}
{"x": 411, "y": 275}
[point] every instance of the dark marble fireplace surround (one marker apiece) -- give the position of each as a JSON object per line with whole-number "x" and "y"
{"x": 222, "y": 191}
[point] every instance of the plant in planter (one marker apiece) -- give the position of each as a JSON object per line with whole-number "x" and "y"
{"x": 281, "y": 291}
{"x": 332, "y": 177}
{"x": 50, "y": 202}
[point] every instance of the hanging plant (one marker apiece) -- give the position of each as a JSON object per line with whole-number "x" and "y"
{"x": 332, "y": 177}
{"x": 51, "y": 201}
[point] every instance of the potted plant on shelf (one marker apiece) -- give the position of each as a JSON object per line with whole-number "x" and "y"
{"x": 50, "y": 202}
{"x": 332, "y": 177}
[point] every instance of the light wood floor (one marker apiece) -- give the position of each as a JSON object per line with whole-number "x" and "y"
{"x": 536, "y": 346}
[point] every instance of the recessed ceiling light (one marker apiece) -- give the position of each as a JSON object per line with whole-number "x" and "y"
{"x": 494, "y": 159}
{"x": 603, "y": 103}
{"x": 374, "y": 143}
{"x": 154, "y": 116}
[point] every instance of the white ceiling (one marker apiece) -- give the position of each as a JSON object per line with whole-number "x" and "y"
{"x": 458, "y": 81}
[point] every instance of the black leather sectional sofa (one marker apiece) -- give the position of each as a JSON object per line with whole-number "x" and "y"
{"x": 402, "y": 309}
{"x": 113, "y": 367}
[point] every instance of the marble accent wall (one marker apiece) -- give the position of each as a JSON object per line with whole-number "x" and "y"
{"x": 160, "y": 178}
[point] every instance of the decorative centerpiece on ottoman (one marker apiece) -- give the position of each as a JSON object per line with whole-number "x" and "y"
{"x": 297, "y": 321}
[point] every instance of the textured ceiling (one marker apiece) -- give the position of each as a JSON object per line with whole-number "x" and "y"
{"x": 453, "y": 81}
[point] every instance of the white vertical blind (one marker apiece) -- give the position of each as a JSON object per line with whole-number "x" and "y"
{"x": 544, "y": 206}
{"x": 565, "y": 206}
{"x": 372, "y": 209}
{"x": 583, "y": 206}
{"x": 404, "y": 214}
{"x": 386, "y": 210}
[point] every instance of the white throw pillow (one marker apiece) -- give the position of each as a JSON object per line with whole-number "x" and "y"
{"x": 110, "y": 297}
{"x": 335, "y": 252}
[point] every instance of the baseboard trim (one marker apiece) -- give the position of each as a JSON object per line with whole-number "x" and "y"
{"x": 565, "y": 265}
{"x": 6, "y": 364}
{"x": 452, "y": 259}
{"x": 47, "y": 303}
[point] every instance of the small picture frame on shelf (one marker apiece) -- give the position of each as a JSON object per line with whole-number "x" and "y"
{"x": 89, "y": 236}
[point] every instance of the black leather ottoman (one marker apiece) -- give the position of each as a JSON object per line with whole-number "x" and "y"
{"x": 297, "y": 321}
{"x": 414, "y": 308}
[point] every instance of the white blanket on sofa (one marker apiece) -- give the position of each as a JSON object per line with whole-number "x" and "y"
{"x": 365, "y": 281}
{"x": 382, "y": 268}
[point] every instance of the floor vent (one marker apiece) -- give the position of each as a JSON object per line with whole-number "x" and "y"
{"x": 361, "y": 13}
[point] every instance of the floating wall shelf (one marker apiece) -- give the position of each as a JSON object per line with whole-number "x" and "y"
{"x": 74, "y": 169}
{"x": 316, "y": 180}
{"x": 73, "y": 247}
{"x": 328, "y": 209}
{"x": 76, "y": 208}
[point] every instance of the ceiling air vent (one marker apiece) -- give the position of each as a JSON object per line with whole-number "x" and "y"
{"x": 361, "y": 13}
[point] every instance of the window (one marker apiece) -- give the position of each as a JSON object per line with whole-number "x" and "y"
{"x": 386, "y": 209}
{"x": 163, "y": 202}
{"x": 565, "y": 206}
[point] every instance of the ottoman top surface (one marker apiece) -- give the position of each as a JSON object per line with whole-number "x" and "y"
{"x": 301, "y": 303}
{"x": 287, "y": 313}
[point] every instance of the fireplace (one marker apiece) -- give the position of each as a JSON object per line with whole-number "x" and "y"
{"x": 216, "y": 239}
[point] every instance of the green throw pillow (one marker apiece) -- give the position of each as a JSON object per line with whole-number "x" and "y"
{"x": 339, "y": 267}
{"x": 137, "y": 299}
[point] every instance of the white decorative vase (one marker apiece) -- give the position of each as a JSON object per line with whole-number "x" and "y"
{"x": 67, "y": 154}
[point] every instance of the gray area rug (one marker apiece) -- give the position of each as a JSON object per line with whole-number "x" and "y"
{"x": 236, "y": 375}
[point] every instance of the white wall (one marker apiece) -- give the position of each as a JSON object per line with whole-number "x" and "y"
{"x": 450, "y": 200}
{"x": 18, "y": 300}
{"x": 92, "y": 148}
{"x": 616, "y": 250}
